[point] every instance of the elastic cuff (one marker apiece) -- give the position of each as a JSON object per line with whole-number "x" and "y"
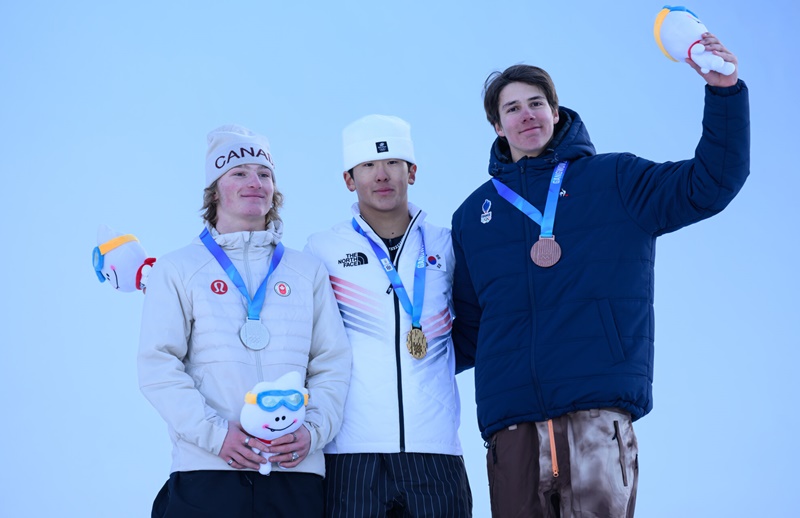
{"x": 727, "y": 91}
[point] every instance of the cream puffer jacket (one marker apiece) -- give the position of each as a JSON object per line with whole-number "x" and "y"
{"x": 195, "y": 370}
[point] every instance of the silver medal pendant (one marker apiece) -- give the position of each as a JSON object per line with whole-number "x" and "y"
{"x": 545, "y": 252}
{"x": 254, "y": 335}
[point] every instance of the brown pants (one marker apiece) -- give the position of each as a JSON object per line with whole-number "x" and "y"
{"x": 594, "y": 473}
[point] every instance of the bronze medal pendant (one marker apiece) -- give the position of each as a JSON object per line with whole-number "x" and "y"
{"x": 545, "y": 252}
{"x": 417, "y": 343}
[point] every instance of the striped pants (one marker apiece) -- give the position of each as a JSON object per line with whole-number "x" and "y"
{"x": 413, "y": 485}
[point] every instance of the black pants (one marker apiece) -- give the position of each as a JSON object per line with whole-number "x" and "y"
{"x": 199, "y": 494}
{"x": 408, "y": 485}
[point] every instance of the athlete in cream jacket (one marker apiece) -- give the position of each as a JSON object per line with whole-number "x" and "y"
{"x": 396, "y": 403}
{"x": 196, "y": 375}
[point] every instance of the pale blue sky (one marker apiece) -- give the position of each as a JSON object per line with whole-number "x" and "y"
{"x": 105, "y": 107}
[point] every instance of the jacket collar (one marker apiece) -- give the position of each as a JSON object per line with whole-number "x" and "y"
{"x": 417, "y": 217}
{"x": 261, "y": 238}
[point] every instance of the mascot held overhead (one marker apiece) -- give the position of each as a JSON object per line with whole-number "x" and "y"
{"x": 677, "y": 31}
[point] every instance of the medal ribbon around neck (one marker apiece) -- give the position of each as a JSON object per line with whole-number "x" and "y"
{"x": 415, "y": 310}
{"x": 255, "y": 304}
{"x": 547, "y": 221}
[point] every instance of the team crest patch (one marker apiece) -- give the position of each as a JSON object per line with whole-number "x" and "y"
{"x": 282, "y": 289}
{"x": 486, "y": 217}
{"x": 353, "y": 259}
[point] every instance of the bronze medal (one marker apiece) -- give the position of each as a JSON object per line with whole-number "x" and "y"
{"x": 417, "y": 343}
{"x": 545, "y": 252}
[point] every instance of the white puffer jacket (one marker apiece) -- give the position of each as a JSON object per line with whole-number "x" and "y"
{"x": 195, "y": 370}
{"x": 396, "y": 403}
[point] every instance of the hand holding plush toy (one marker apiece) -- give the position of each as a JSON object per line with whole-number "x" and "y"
{"x": 274, "y": 409}
{"x": 678, "y": 31}
{"x": 121, "y": 260}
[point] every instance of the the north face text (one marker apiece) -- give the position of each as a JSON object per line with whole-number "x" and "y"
{"x": 354, "y": 259}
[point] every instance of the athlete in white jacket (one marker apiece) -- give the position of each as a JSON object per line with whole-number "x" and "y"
{"x": 398, "y": 448}
{"x": 196, "y": 364}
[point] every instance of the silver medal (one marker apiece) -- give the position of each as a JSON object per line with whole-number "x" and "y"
{"x": 254, "y": 335}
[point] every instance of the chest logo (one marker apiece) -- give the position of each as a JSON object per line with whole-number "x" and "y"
{"x": 354, "y": 259}
{"x": 486, "y": 216}
{"x": 219, "y": 287}
{"x": 282, "y": 289}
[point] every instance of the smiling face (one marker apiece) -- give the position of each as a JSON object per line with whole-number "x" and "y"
{"x": 271, "y": 424}
{"x": 382, "y": 186}
{"x": 527, "y": 120}
{"x": 274, "y": 409}
{"x": 244, "y": 196}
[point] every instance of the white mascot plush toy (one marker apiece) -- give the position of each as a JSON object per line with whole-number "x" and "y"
{"x": 121, "y": 260}
{"x": 274, "y": 409}
{"x": 677, "y": 31}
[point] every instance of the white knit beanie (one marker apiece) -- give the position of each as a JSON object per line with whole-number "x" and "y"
{"x": 377, "y": 137}
{"x": 232, "y": 145}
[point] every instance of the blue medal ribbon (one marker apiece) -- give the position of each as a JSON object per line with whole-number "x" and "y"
{"x": 415, "y": 310}
{"x": 547, "y": 221}
{"x": 255, "y": 304}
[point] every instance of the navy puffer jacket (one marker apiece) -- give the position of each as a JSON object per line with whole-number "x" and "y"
{"x": 579, "y": 335}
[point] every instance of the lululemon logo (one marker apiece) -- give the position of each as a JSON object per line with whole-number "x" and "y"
{"x": 219, "y": 287}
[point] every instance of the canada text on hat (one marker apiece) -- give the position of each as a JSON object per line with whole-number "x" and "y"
{"x": 376, "y": 137}
{"x": 232, "y": 145}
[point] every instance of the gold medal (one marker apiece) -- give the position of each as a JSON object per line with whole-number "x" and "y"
{"x": 545, "y": 252}
{"x": 417, "y": 343}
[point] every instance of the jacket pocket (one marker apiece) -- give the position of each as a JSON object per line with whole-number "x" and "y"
{"x": 612, "y": 333}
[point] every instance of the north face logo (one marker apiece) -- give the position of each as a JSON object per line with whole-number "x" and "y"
{"x": 354, "y": 259}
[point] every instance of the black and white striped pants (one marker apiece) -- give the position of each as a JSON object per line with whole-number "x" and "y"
{"x": 413, "y": 485}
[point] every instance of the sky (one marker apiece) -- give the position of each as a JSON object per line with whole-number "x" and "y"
{"x": 105, "y": 108}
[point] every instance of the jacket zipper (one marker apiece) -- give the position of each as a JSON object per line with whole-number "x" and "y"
{"x": 259, "y": 371}
{"x": 398, "y": 349}
{"x": 397, "y": 345}
{"x": 401, "y": 418}
{"x": 530, "y": 230}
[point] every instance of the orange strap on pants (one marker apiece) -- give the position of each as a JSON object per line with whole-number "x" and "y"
{"x": 553, "y": 447}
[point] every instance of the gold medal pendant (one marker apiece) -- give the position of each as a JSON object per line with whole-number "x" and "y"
{"x": 417, "y": 343}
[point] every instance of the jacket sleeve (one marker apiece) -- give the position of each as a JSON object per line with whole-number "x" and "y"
{"x": 163, "y": 344}
{"x": 466, "y": 307}
{"x": 329, "y": 364}
{"x": 665, "y": 197}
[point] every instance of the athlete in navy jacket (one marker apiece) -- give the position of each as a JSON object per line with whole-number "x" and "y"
{"x": 555, "y": 310}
